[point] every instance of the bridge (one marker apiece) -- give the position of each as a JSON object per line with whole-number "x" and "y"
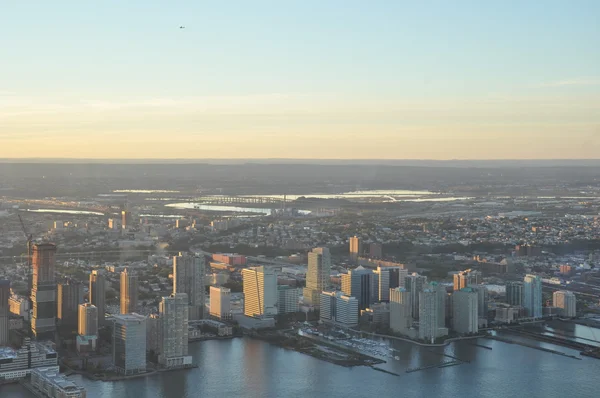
{"x": 228, "y": 200}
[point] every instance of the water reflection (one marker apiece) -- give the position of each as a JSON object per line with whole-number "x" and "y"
{"x": 65, "y": 211}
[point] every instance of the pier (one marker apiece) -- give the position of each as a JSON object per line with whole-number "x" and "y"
{"x": 504, "y": 340}
{"x": 437, "y": 365}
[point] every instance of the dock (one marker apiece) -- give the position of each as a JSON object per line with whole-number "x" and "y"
{"x": 504, "y": 340}
{"x": 384, "y": 371}
{"x": 437, "y": 365}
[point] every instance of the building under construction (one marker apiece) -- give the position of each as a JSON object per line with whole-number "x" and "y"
{"x": 43, "y": 291}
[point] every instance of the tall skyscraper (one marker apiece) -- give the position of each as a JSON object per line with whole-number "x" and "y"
{"x": 429, "y": 322}
{"x": 70, "y": 295}
{"x": 402, "y": 274}
{"x": 514, "y": 293}
{"x": 173, "y": 331}
{"x": 388, "y": 278}
{"x": 482, "y": 300}
{"x": 317, "y": 275}
{"x": 566, "y": 301}
{"x": 400, "y": 310}
{"x": 125, "y": 219}
{"x": 88, "y": 320}
{"x": 465, "y": 311}
{"x": 441, "y": 295}
{"x": 415, "y": 284}
{"x": 97, "y": 294}
{"x": 87, "y": 330}
{"x": 260, "y": 291}
{"x": 129, "y": 292}
{"x": 4, "y": 312}
{"x": 358, "y": 283}
{"x": 466, "y": 278}
{"x": 220, "y": 302}
{"x": 355, "y": 248}
{"x": 339, "y": 309}
{"x": 129, "y": 343}
{"x": 188, "y": 278}
{"x": 532, "y": 295}
{"x": 43, "y": 292}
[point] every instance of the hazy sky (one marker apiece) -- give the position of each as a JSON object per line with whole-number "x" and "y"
{"x": 300, "y": 79}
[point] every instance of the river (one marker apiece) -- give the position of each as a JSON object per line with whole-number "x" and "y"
{"x": 246, "y": 367}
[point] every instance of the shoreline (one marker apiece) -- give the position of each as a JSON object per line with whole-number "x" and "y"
{"x": 444, "y": 344}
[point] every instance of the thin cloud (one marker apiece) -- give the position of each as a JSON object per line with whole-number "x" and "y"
{"x": 582, "y": 81}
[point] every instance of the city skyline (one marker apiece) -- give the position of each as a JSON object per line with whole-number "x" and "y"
{"x": 467, "y": 81}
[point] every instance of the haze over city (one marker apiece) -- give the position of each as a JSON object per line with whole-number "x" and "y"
{"x": 299, "y": 199}
{"x": 329, "y": 80}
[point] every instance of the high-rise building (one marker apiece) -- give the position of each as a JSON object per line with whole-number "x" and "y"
{"x": 482, "y": 300}
{"x": 260, "y": 291}
{"x": 188, "y": 278}
{"x": 129, "y": 292}
{"x": 566, "y": 301}
{"x": 97, "y": 294}
{"x": 429, "y": 323}
{"x": 220, "y": 302}
{"x": 173, "y": 331}
{"x": 339, "y": 309}
{"x": 440, "y": 291}
{"x": 402, "y": 274}
{"x": 125, "y": 219}
{"x": 88, "y": 320}
{"x": 70, "y": 295}
{"x": 358, "y": 283}
{"x": 4, "y": 312}
{"x": 317, "y": 275}
{"x": 113, "y": 223}
{"x": 287, "y": 300}
{"x": 87, "y": 330}
{"x": 466, "y": 278}
{"x": 43, "y": 291}
{"x": 465, "y": 311}
{"x": 514, "y": 293}
{"x": 355, "y": 248}
{"x": 388, "y": 278}
{"x": 400, "y": 310}
{"x": 375, "y": 250}
{"x": 129, "y": 343}
{"x": 415, "y": 284}
{"x": 532, "y": 295}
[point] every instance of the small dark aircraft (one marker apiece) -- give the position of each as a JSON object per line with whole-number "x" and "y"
{"x": 182, "y": 27}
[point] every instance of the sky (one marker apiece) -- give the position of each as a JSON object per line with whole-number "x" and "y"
{"x": 300, "y": 79}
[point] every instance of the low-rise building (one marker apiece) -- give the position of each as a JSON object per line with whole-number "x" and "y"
{"x": 51, "y": 384}
{"x": 16, "y": 364}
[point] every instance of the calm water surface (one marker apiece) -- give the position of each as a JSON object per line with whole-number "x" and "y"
{"x": 252, "y": 368}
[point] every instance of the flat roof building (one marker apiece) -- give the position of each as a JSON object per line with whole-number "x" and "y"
{"x": 129, "y": 343}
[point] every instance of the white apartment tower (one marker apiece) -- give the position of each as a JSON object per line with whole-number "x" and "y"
{"x": 465, "y": 311}
{"x": 532, "y": 296}
{"x": 400, "y": 310}
{"x": 188, "y": 278}
{"x": 173, "y": 331}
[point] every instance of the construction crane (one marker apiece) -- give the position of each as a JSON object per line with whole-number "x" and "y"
{"x": 29, "y": 238}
